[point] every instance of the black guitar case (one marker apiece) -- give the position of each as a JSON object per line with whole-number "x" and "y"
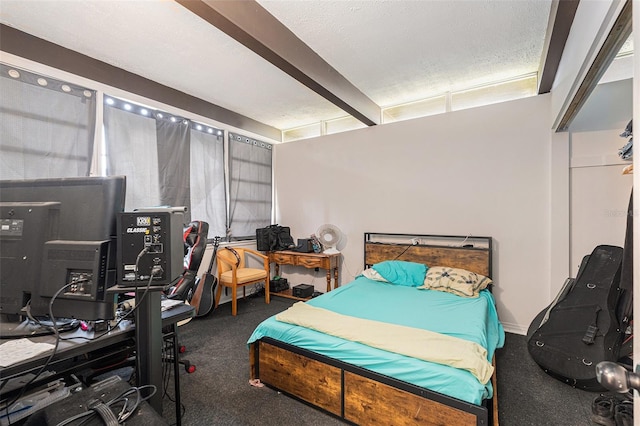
{"x": 581, "y": 327}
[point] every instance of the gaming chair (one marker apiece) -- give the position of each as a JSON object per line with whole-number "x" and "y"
{"x": 182, "y": 288}
{"x": 195, "y": 243}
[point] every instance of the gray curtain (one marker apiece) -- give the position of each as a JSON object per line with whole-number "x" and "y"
{"x": 168, "y": 161}
{"x": 208, "y": 195}
{"x": 132, "y": 151}
{"x": 47, "y": 126}
{"x": 173, "y": 138}
{"x": 250, "y": 163}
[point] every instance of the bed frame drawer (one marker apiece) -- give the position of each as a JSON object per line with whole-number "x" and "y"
{"x": 310, "y": 380}
{"x": 368, "y": 402}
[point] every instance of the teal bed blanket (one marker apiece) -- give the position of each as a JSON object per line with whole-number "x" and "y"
{"x": 471, "y": 319}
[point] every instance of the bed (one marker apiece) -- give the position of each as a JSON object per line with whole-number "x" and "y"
{"x": 344, "y": 352}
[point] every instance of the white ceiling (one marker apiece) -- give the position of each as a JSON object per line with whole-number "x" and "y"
{"x": 393, "y": 51}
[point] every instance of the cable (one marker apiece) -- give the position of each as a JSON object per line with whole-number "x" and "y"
{"x": 53, "y": 353}
{"x": 345, "y": 266}
{"x": 56, "y": 331}
{"x": 465, "y": 240}
{"x": 144, "y": 251}
{"x": 128, "y": 407}
{"x": 138, "y": 302}
{"x": 403, "y": 252}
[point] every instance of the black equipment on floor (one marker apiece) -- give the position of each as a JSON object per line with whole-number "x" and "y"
{"x": 581, "y": 328}
{"x": 278, "y": 284}
{"x": 303, "y": 291}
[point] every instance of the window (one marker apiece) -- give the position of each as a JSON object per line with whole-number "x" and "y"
{"x": 47, "y": 129}
{"x": 131, "y": 150}
{"x": 47, "y": 126}
{"x": 250, "y": 190}
{"x": 208, "y": 199}
{"x": 168, "y": 160}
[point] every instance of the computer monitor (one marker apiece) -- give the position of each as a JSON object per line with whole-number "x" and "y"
{"x": 24, "y": 229}
{"x": 84, "y": 247}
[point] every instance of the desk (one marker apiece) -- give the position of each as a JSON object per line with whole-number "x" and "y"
{"x": 328, "y": 262}
{"x": 72, "y": 355}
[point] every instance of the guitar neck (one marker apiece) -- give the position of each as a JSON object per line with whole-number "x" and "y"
{"x": 216, "y": 243}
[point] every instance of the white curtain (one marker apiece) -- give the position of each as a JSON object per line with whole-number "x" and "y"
{"x": 208, "y": 201}
{"x": 132, "y": 151}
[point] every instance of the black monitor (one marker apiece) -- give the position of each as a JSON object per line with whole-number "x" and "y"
{"x": 83, "y": 249}
{"x": 25, "y": 227}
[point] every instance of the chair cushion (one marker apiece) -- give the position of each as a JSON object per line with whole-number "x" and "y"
{"x": 244, "y": 275}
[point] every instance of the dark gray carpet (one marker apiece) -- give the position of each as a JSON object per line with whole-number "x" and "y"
{"x": 218, "y": 393}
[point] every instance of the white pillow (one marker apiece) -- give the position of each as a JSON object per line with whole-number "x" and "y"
{"x": 372, "y": 274}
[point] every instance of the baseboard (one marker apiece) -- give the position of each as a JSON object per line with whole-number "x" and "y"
{"x": 514, "y": 328}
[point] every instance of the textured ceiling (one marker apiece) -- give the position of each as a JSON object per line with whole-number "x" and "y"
{"x": 392, "y": 51}
{"x": 402, "y": 51}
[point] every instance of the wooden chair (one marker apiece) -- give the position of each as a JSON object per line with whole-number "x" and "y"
{"x": 233, "y": 273}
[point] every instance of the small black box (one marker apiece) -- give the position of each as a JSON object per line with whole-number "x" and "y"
{"x": 277, "y": 285}
{"x": 303, "y": 290}
{"x": 305, "y": 245}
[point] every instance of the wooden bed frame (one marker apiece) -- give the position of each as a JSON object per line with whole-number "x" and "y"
{"x": 364, "y": 397}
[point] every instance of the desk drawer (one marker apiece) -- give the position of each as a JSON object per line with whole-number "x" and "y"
{"x": 283, "y": 259}
{"x": 311, "y": 262}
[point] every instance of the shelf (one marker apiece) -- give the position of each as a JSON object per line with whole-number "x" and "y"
{"x": 288, "y": 294}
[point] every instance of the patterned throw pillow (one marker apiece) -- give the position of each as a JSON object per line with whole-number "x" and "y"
{"x": 456, "y": 281}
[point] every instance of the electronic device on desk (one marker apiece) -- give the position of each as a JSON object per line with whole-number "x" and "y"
{"x": 302, "y": 291}
{"x": 63, "y": 224}
{"x": 150, "y": 240}
{"x": 305, "y": 245}
{"x": 83, "y": 266}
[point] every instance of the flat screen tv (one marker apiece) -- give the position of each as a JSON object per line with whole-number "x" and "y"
{"x": 79, "y": 243}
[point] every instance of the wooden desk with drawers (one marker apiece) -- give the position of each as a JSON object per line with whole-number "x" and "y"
{"x": 328, "y": 262}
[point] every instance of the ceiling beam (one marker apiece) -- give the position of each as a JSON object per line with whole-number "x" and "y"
{"x": 250, "y": 24}
{"x": 560, "y": 20}
{"x": 26, "y": 46}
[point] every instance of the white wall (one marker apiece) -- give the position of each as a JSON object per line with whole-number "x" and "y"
{"x": 482, "y": 171}
{"x": 599, "y": 191}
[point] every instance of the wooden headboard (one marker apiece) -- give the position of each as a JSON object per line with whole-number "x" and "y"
{"x": 471, "y": 253}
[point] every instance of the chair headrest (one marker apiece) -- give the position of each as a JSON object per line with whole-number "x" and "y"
{"x": 195, "y": 232}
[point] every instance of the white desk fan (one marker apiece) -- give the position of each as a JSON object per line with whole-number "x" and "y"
{"x": 330, "y": 236}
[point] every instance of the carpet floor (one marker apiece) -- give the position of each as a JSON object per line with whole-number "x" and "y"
{"x": 218, "y": 392}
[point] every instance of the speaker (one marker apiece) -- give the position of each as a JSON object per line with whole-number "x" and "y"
{"x": 150, "y": 246}
{"x": 83, "y": 264}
